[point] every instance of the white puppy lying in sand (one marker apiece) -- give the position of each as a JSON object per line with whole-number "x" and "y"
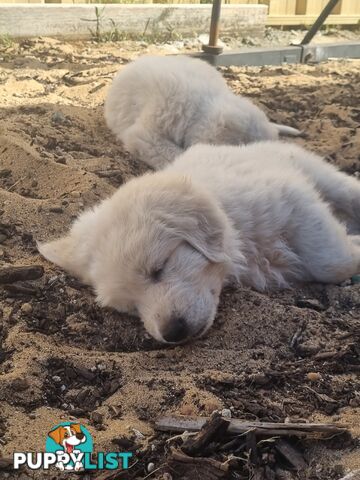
{"x": 165, "y": 243}
{"x": 160, "y": 106}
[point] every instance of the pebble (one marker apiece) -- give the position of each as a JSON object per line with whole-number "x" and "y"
{"x": 167, "y": 476}
{"x": 76, "y": 194}
{"x": 313, "y": 376}
{"x": 97, "y": 417}
{"x": 56, "y": 209}
{"x": 5, "y": 172}
{"x": 19, "y": 384}
{"x": 310, "y": 303}
{"x": 58, "y": 117}
{"x": 56, "y": 378}
{"x": 138, "y": 434}
{"x": 354, "y": 402}
{"x": 150, "y": 467}
{"x": 226, "y": 413}
{"x": 61, "y": 160}
{"x": 26, "y": 308}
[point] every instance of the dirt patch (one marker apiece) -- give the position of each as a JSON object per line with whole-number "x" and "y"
{"x": 62, "y": 357}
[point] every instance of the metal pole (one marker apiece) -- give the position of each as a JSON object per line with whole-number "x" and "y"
{"x": 319, "y": 22}
{"x": 214, "y": 30}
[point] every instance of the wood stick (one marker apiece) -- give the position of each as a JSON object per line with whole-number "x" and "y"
{"x": 236, "y": 427}
{"x": 292, "y": 455}
{"x": 13, "y": 274}
{"x": 202, "y": 468}
{"x": 213, "y": 429}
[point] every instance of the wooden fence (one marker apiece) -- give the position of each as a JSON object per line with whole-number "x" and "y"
{"x": 281, "y": 12}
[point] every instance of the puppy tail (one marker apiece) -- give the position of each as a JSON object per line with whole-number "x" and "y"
{"x": 288, "y": 131}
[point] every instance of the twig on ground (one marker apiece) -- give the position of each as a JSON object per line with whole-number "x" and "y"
{"x": 13, "y": 274}
{"x": 191, "y": 424}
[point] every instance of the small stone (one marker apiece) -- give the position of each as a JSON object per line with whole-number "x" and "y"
{"x": 26, "y": 308}
{"x": 138, "y": 434}
{"x": 5, "y": 172}
{"x": 150, "y": 467}
{"x": 76, "y": 194}
{"x": 63, "y": 388}
{"x": 32, "y": 415}
{"x": 260, "y": 379}
{"x": 313, "y": 376}
{"x": 167, "y": 476}
{"x": 56, "y": 210}
{"x": 19, "y": 384}
{"x": 354, "y": 402}
{"x": 226, "y": 413}
{"x": 97, "y": 417}
{"x": 58, "y": 117}
{"x": 310, "y": 303}
{"x": 56, "y": 378}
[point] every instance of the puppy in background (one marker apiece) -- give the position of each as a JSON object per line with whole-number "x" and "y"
{"x": 264, "y": 215}
{"x": 160, "y": 106}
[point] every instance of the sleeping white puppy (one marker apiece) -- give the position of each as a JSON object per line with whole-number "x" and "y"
{"x": 160, "y": 106}
{"x": 165, "y": 243}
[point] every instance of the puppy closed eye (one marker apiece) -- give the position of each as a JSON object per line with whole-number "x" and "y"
{"x": 156, "y": 274}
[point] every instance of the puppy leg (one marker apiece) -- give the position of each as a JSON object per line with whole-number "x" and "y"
{"x": 337, "y": 188}
{"x": 155, "y": 150}
{"x": 327, "y": 253}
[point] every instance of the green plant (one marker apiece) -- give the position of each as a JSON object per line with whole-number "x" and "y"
{"x": 6, "y": 41}
{"x": 99, "y": 35}
{"x": 99, "y": 16}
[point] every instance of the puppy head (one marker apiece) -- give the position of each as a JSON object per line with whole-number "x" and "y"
{"x": 160, "y": 246}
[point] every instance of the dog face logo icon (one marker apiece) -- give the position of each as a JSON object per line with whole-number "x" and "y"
{"x": 69, "y": 441}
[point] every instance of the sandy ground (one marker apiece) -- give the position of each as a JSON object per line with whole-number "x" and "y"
{"x": 62, "y": 357}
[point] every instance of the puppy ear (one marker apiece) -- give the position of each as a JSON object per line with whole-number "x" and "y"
{"x": 57, "y": 435}
{"x": 73, "y": 252}
{"x": 199, "y": 221}
{"x": 61, "y": 252}
{"x": 76, "y": 427}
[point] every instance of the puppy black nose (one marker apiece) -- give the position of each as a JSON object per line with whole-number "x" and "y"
{"x": 176, "y": 331}
{"x": 79, "y": 435}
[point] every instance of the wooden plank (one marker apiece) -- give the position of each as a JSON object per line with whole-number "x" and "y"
{"x": 314, "y": 7}
{"x": 281, "y": 7}
{"x": 310, "y": 19}
{"x": 350, "y": 7}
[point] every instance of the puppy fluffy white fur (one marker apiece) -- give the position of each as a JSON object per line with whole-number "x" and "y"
{"x": 165, "y": 243}
{"x": 160, "y": 106}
